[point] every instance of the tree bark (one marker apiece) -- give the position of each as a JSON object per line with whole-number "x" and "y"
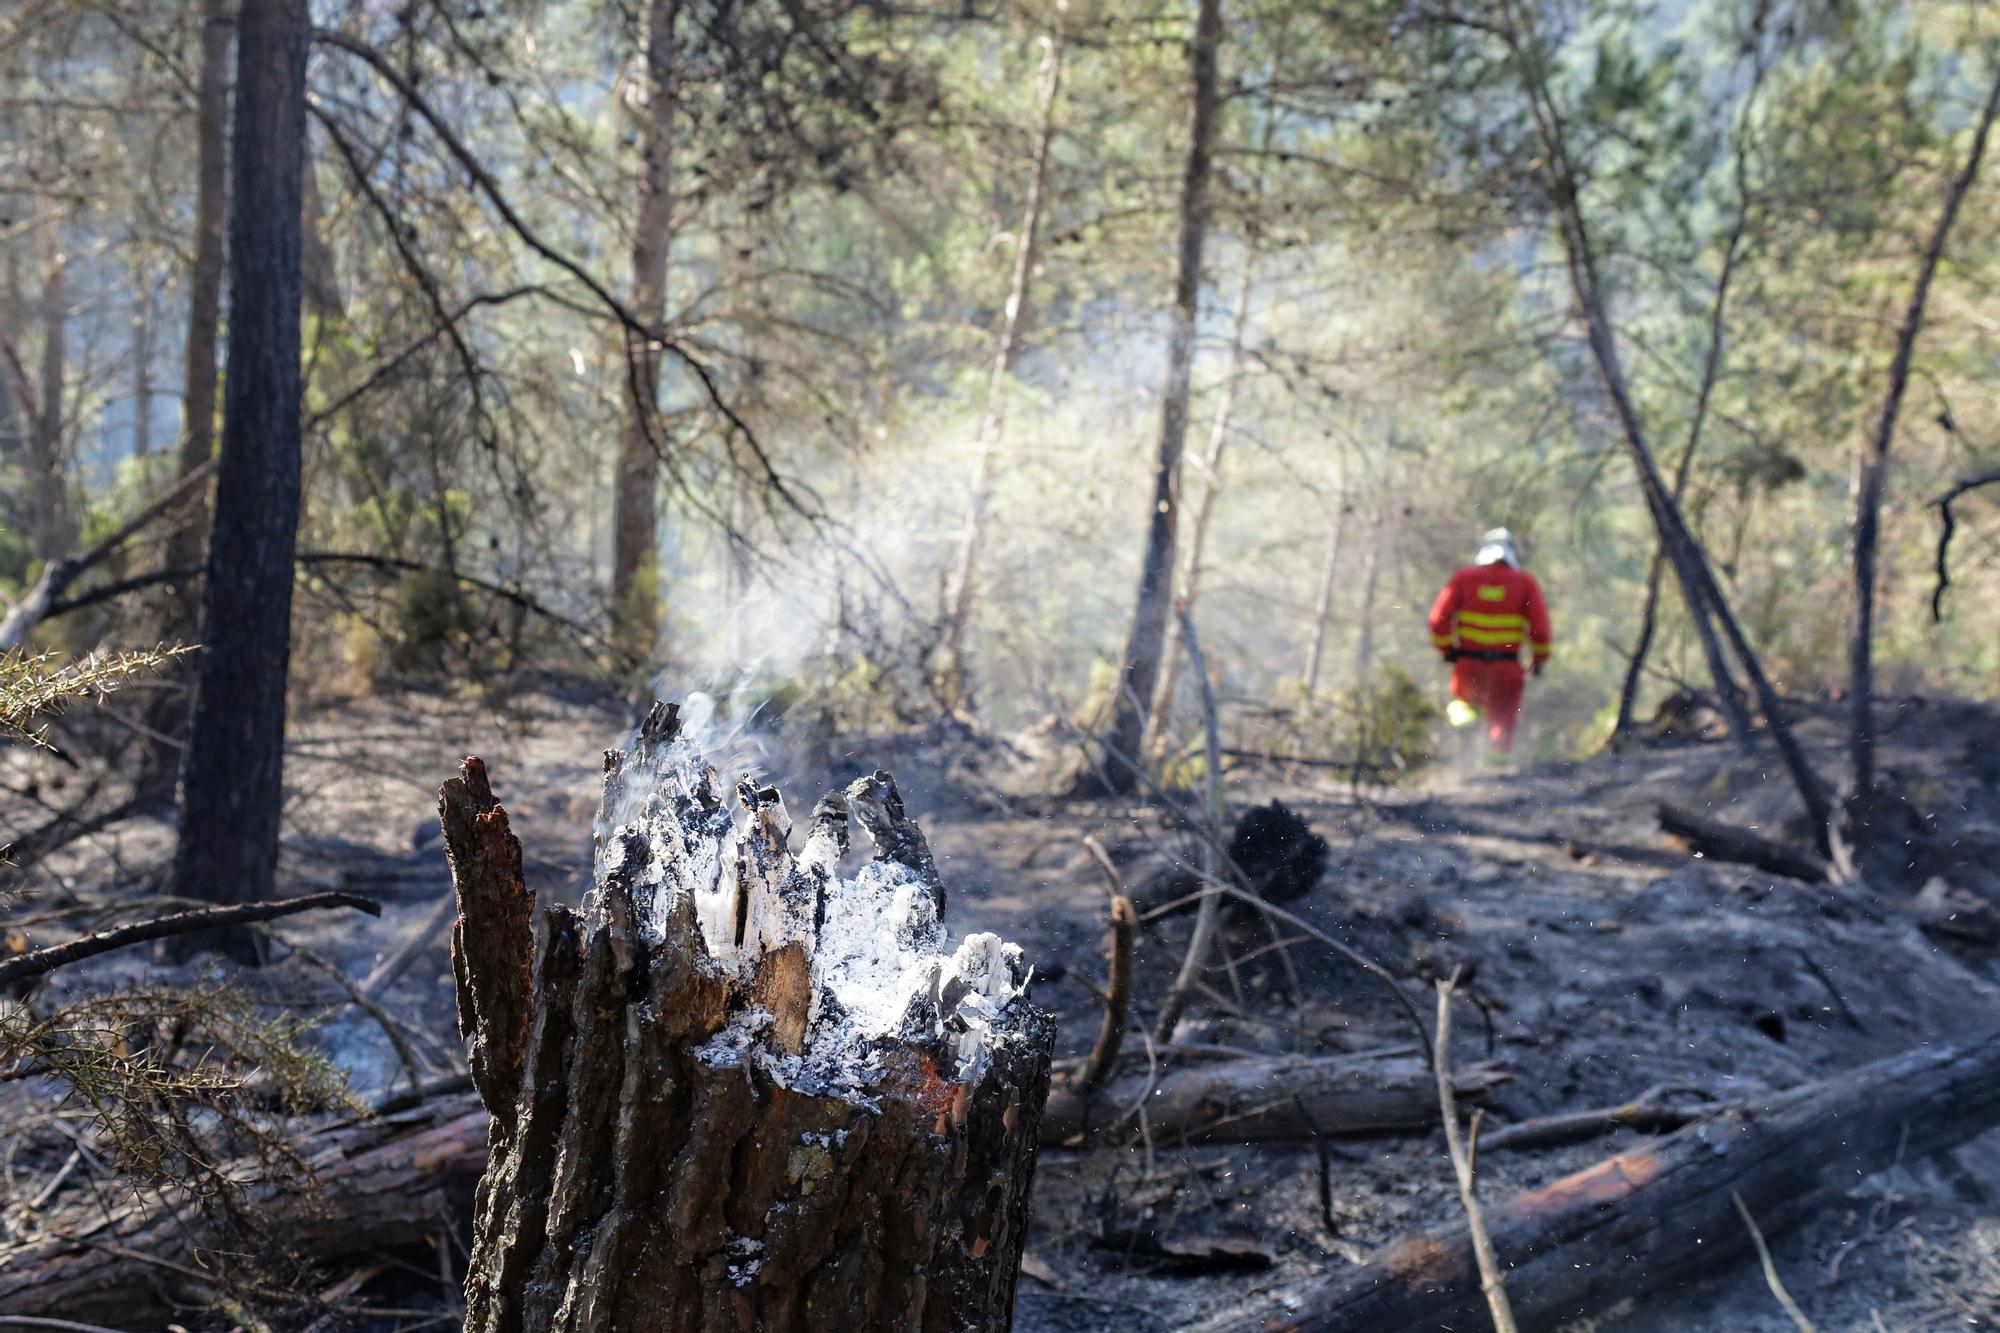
{"x": 16, "y": 395}
{"x": 1660, "y": 1216}
{"x": 953, "y": 685}
{"x": 53, "y": 530}
{"x": 635, "y": 552}
{"x": 232, "y": 775}
{"x": 1204, "y": 513}
{"x": 701, "y": 1120}
{"x": 1218, "y": 441}
{"x": 188, "y": 540}
{"x": 1139, "y": 670}
{"x": 1870, "y": 473}
{"x": 142, "y": 368}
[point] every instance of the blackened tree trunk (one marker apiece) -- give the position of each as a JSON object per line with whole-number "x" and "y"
{"x": 1726, "y": 686}
{"x": 1139, "y": 672}
{"x": 1563, "y": 184}
{"x": 197, "y": 444}
{"x": 16, "y": 395}
{"x": 142, "y": 364}
{"x": 48, "y": 487}
{"x": 725, "y": 1100}
{"x": 1870, "y": 471}
{"x": 186, "y": 544}
{"x": 232, "y": 776}
{"x": 1218, "y": 440}
{"x": 1204, "y": 515}
{"x": 635, "y": 555}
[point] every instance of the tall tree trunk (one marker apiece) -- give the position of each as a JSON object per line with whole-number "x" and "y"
{"x": 142, "y": 370}
{"x": 1725, "y": 682}
{"x": 952, "y": 682}
{"x": 1218, "y": 441}
{"x": 1139, "y": 671}
{"x": 1204, "y": 513}
{"x": 232, "y": 775}
{"x": 635, "y": 550}
{"x": 17, "y": 397}
{"x": 1628, "y": 693}
{"x": 1870, "y": 471}
{"x": 54, "y": 532}
{"x": 1690, "y": 564}
{"x": 1323, "y": 605}
{"x": 160, "y": 756}
{"x": 187, "y": 540}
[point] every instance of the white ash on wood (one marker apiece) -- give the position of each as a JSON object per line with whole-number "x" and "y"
{"x": 737, "y": 1089}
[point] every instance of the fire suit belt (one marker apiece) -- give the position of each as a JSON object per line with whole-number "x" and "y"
{"x": 1489, "y": 655}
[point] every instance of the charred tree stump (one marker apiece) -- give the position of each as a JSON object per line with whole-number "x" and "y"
{"x": 739, "y": 1091}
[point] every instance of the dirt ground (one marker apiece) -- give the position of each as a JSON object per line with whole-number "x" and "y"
{"x": 1607, "y": 959}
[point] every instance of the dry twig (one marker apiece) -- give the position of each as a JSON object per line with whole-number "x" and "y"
{"x": 1117, "y": 996}
{"x": 1490, "y": 1280}
{"x": 1196, "y": 958}
{"x": 1770, "y": 1269}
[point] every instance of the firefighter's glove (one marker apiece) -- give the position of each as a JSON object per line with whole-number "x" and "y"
{"x": 1450, "y": 654}
{"x": 1536, "y": 669}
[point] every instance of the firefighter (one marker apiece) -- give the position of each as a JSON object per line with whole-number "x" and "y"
{"x": 1486, "y": 614}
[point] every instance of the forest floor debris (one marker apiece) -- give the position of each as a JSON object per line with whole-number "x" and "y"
{"x": 1608, "y": 960}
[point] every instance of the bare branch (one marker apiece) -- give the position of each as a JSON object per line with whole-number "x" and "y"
{"x": 43, "y": 961}
{"x": 1950, "y": 525}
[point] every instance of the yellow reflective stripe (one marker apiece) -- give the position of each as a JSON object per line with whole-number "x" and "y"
{"x": 1494, "y": 638}
{"x": 1484, "y": 621}
{"x": 1542, "y": 650}
{"x": 1440, "y": 640}
{"x": 1491, "y": 592}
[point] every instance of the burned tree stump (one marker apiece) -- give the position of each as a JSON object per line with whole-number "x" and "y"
{"x": 738, "y": 1090}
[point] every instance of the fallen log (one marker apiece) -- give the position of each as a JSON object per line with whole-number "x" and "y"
{"x": 1282, "y": 1099}
{"x": 376, "y": 1187}
{"x": 367, "y": 1188}
{"x": 1661, "y": 1215}
{"x": 1725, "y": 842}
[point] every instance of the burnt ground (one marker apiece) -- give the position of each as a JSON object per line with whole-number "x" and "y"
{"x": 1607, "y": 959}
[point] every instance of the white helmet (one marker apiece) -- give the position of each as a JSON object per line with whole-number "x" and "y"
{"x": 1497, "y": 548}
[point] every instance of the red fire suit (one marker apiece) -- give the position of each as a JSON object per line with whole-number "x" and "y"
{"x": 1480, "y": 622}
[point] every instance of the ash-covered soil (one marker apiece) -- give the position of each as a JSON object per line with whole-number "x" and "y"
{"x": 1603, "y": 960}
